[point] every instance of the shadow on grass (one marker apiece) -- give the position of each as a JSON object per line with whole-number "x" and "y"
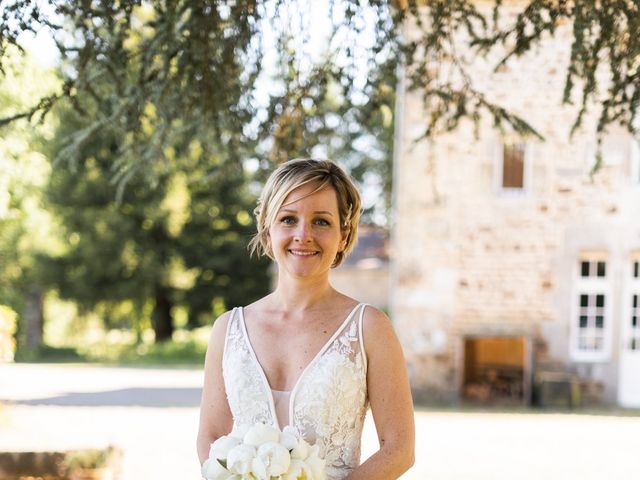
{"x": 126, "y": 397}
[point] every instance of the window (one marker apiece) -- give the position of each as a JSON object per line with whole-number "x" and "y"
{"x": 632, "y": 309}
{"x": 592, "y": 268}
{"x": 512, "y": 166}
{"x": 634, "y": 336}
{"x": 591, "y": 317}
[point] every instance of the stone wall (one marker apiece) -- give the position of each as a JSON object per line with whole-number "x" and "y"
{"x": 470, "y": 259}
{"x": 367, "y": 285}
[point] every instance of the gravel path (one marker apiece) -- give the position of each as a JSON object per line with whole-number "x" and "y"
{"x": 152, "y": 415}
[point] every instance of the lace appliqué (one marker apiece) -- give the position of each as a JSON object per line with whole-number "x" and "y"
{"x": 330, "y": 404}
{"x": 247, "y": 399}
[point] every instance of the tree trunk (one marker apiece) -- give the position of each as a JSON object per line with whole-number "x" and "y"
{"x": 33, "y": 317}
{"x": 162, "y": 321}
{"x": 192, "y": 318}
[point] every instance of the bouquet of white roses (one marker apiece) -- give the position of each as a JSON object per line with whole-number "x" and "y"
{"x": 262, "y": 452}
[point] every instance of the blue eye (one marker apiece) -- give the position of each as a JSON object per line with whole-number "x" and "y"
{"x": 322, "y": 221}
{"x": 288, "y": 220}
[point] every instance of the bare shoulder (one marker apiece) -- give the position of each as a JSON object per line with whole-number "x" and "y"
{"x": 375, "y": 315}
{"x": 223, "y": 320}
{"x": 374, "y": 318}
{"x": 219, "y": 330}
{"x": 377, "y": 326}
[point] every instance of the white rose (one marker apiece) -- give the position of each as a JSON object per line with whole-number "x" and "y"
{"x": 301, "y": 451}
{"x": 261, "y": 433}
{"x": 213, "y": 470}
{"x": 240, "y": 458}
{"x": 316, "y": 464}
{"x": 298, "y": 469}
{"x": 239, "y": 431}
{"x": 272, "y": 460}
{"x": 220, "y": 448}
{"x": 289, "y": 438}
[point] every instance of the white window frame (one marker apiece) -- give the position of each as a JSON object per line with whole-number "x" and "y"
{"x": 498, "y": 169}
{"x": 633, "y": 288}
{"x": 591, "y": 285}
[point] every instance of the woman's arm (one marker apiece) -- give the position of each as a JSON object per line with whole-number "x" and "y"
{"x": 390, "y": 399}
{"x": 215, "y": 417}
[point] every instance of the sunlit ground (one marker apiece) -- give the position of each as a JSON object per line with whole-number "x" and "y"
{"x": 152, "y": 414}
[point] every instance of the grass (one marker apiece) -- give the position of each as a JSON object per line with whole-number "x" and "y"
{"x": 121, "y": 348}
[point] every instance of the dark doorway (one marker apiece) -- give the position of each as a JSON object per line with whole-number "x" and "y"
{"x": 494, "y": 370}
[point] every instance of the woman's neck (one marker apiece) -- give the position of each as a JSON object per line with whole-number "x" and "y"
{"x": 293, "y": 294}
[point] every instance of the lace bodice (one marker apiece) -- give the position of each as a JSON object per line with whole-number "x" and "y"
{"x": 327, "y": 404}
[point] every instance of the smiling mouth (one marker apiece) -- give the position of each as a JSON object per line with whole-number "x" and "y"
{"x": 302, "y": 253}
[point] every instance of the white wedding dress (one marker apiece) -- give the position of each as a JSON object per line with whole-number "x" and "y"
{"x": 328, "y": 403}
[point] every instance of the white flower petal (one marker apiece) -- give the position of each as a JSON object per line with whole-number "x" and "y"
{"x": 261, "y": 433}
{"x": 213, "y": 470}
{"x": 275, "y": 457}
{"x": 240, "y": 458}
{"x": 221, "y": 447}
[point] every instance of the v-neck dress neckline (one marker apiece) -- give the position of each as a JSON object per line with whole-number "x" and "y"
{"x": 278, "y": 422}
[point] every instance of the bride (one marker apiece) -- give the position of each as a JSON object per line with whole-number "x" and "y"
{"x": 306, "y": 355}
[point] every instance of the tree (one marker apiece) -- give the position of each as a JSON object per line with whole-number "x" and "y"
{"x": 26, "y": 228}
{"x": 173, "y": 243}
{"x": 198, "y": 62}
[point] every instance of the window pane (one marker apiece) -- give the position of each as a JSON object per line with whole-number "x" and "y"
{"x": 635, "y": 301}
{"x": 583, "y": 321}
{"x": 601, "y": 269}
{"x": 584, "y": 300}
{"x": 636, "y": 269}
{"x": 599, "y": 300}
{"x": 513, "y": 166}
{"x": 599, "y": 321}
{"x": 584, "y": 269}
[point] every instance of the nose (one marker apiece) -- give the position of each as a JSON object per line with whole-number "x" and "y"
{"x": 302, "y": 233}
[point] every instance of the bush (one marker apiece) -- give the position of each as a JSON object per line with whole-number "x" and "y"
{"x": 120, "y": 347}
{"x": 49, "y": 354}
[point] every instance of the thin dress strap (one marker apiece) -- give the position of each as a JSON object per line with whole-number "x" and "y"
{"x": 361, "y": 336}
{"x": 226, "y": 335}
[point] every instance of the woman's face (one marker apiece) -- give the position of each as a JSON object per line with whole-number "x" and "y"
{"x": 306, "y": 236}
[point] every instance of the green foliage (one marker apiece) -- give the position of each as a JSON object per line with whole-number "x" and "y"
{"x": 49, "y": 354}
{"x": 197, "y": 64}
{"x": 604, "y": 42}
{"x": 186, "y": 347}
{"x": 190, "y": 351}
{"x": 179, "y": 242}
{"x": 90, "y": 458}
{"x": 26, "y": 228}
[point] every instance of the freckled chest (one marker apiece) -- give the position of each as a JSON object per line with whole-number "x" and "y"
{"x": 284, "y": 347}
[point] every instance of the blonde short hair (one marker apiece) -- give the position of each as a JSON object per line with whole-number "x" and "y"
{"x": 293, "y": 174}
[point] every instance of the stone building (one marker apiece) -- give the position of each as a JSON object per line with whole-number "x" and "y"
{"x": 513, "y": 269}
{"x": 365, "y": 272}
